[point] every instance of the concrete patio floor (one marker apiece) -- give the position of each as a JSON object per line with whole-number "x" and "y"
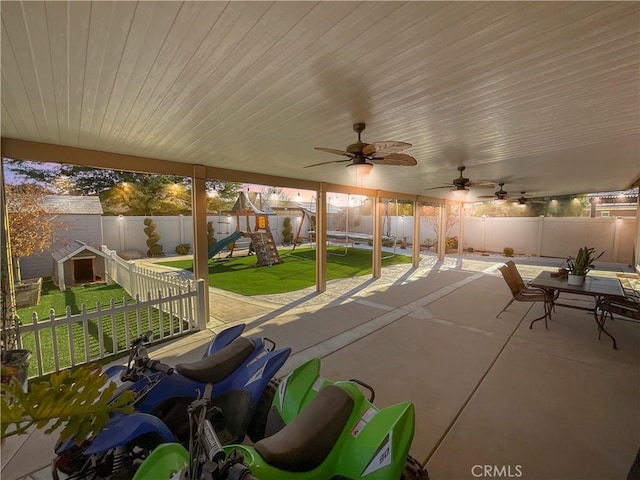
{"x": 538, "y": 404}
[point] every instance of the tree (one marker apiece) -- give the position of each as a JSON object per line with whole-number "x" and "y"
{"x": 125, "y": 193}
{"x": 431, "y": 213}
{"x": 559, "y": 206}
{"x": 222, "y": 195}
{"x": 149, "y": 195}
{"x": 31, "y": 226}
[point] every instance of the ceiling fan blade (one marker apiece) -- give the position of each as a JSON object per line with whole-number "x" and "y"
{"x": 480, "y": 184}
{"x": 327, "y": 163}
{"x": 437, "y": 188}
{"x": 398, "y": 159}
{"x": 382, "y": 149}
{"x": 334, "y": 151}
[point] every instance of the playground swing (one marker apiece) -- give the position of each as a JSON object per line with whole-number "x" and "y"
{"x": 352, "y": 237}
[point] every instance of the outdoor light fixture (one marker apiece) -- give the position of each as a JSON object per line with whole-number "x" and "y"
{"x": 298, "y": 197}
{"x": 361, "y": 169}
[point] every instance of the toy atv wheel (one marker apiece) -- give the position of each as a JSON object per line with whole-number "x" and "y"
{"x": 259, "y": 421}
{"x": 413, "y": 470}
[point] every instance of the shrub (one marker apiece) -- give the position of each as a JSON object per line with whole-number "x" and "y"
{"x": 211, "y": 239}
{"x": 388, "y": 242}
{"x": 470, "y": 249}
{"x": 451, "y": 242}
{"x": 155, "y": 248}
{"x": 508, "y": 251}
{"x": 183, "y": 249}
{"x": 287, "y": 231}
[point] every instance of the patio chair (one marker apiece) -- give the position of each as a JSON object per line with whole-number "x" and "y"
{"x": 627, "y": 307}
{"x": 517, "y": 282}
{"x": 522, "y": 293}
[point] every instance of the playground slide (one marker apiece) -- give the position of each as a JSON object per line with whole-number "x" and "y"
{"x": 220, "y": 244}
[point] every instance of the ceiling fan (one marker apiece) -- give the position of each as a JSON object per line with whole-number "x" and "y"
{"x": 500, "y": 195}
{"x": 365, "y": 155}
{"x": 524, "y": 200}
{"x": 464, "y": 184}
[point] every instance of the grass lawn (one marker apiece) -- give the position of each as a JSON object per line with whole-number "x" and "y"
{"x": 103, "y": 330}
{"x": 240, "y": 275}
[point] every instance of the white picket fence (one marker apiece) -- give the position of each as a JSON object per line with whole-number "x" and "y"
{"x": 168, "y": 305}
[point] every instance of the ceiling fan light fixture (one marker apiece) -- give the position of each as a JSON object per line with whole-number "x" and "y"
{"x": 460, "y": 192}
{"x": 361, "y": 169}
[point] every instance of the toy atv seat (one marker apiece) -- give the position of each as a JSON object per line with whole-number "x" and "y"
{"x": 306, "y": 442}
{"x": 217, "y": 367}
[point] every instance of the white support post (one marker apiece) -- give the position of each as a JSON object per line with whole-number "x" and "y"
{"x": 376, "y": 257}
{"x": 442, "y": 234}
{"x": 201, "y": 311}
{"x": 321, "y": 240}
{"x": 461, "y": 229}
{"x": 415, "y": 245}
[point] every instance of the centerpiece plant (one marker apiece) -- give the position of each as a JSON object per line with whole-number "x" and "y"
{"x": 582, "y": 263}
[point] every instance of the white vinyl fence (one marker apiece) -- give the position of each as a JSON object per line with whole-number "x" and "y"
{"x": 543, "y": 236}
{"x": 168, "y": 306}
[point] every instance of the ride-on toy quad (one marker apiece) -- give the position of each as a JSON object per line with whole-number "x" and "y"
{"x": 240, "y": 369}
{"x": 317, "y": 429}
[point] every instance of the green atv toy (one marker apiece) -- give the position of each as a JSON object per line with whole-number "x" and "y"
{"x": 315, "y": 429}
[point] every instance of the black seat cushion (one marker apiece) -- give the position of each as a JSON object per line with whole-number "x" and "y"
{"x": 220, "y": 365}
{"x": 304, "y": 444}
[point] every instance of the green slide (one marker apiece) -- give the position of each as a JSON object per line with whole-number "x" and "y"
{"x": 220, "y": 244}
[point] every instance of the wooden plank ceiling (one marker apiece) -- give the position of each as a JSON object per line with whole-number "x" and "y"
{"x": 541, "y": 95}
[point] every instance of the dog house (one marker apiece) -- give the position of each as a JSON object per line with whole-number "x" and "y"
{"x": 76, "y": 264}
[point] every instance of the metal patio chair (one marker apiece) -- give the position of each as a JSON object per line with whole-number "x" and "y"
{"x": 627, "y": 307}
{"x": 522, "y": 293}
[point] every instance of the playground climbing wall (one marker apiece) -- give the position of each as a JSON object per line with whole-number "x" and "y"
{"x": 265, "y": 248}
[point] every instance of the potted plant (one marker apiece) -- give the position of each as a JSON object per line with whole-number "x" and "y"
{"x": 580, "y": 265}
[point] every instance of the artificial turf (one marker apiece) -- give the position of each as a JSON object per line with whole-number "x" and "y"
{"x": 298, "y": 270}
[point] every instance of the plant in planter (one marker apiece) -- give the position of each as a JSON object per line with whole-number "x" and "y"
{"x": 580, "y": 265}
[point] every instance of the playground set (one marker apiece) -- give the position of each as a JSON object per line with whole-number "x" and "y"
{"x": 261, "y": 237}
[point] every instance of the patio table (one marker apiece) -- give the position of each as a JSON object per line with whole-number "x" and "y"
{"x": 594, "y": 286}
